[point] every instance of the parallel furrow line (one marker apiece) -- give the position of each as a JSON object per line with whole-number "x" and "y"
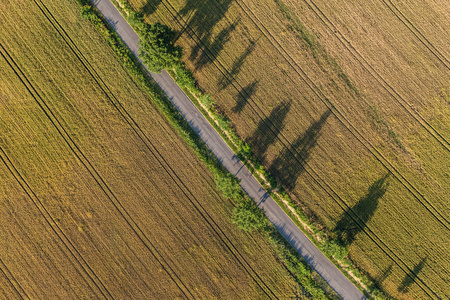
{"x": 12, "y": 281}
{"x": 416, "y": 32}
{"x": 348, "y": 125}
{"x": 153, "y": 150}
{"x": 55, "y": 227}
{"x": 372, "y": 72}
{"x": 98, "y": 179}
{"x": 402, "y": 265}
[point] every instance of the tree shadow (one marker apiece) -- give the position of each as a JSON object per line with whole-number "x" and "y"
{"x": 382, "y": 277}
{"x": 243, "y": 96}
{"x": 198, "y": 18}
{"x": 267, "y": 131}
{"x": 290, "y": 163}
{"x": 236, "y": 67}
{"x": 208, "y": 51}
{"x": 202, "y": 17}
{"x": 355, "y": 218}
{"x": 150, "y": 7}
{"x": 411, "y": 276}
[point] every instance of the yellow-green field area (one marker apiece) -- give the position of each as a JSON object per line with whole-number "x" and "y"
{"x": 347, "y": 103}
{"x": 99, "y": 197}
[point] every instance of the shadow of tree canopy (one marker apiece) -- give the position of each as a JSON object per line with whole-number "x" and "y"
{"x": 236, "y": 67}
{"x": 355, "y": 218}
{"x": 289, "y": 164}
{"x": 243, "y": 96}
{"x": 150, "y": 7}
{"x": 267, "y": 131}
{"x": 382, "y": 277}
{"x": 201, "y": 17}
{"x": 411, "y": 276}
{"x": 212, "y": 49}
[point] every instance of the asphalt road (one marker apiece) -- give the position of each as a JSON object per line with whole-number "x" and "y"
{"x": 323, "y": 266}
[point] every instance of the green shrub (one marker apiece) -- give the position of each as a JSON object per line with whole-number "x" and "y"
{"x": 156, "y": 47}
{"x": 333, "y": 248}
{"x": 206, "y": 100}
{"x": 228, "y": 185}
{"x": 248, "y": 216}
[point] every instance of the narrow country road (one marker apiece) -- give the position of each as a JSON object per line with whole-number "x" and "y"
{"x": 326, "y": 269}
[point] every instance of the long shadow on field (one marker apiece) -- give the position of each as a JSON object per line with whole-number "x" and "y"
{"x": 268, "y": 130}
{"x": 236, "y": 67}
{"x": 243, "y": 96}
{"x": 150, "y": 7}
{"x": 355, "y": 218}
{"x": 382, "y": 277}
{"x": 290, "y": 163}
{"x": 411, "y": 276}
{"x": 211, "y": 49}
{"x": 201, "y": 17}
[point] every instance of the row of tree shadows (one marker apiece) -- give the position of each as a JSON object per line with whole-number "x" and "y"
{"x": 288, "y": 166}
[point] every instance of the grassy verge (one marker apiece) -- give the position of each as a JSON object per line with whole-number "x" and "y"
{"x": 311, "y": 284}
{"x": 204, "y": 102}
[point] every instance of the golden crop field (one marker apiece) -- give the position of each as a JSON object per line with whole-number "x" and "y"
{"x": 347, "y": 103}
{"x": 99, "y": 196}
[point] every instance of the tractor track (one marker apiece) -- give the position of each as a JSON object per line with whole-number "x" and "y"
{"x": 12, "y": 281}
{"x": 163, "y": 163}
{"x": 354, "y": 131}
{"x": 395, "y": 258}
{"x": 55, "y": 227}
{"x": 416, "y": 32}
{"x": 372, "y": 72}
{"x": 95, "y": 175}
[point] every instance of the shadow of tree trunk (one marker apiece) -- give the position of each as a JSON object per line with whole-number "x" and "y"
{"x": 266, "y": 133}
{"x": 288, "y": 166}
{"x": 411, "y": 276}
{"x": 236, "y": 67}
{"x": 355, "y": 218}
{"x": 243, "y": 96}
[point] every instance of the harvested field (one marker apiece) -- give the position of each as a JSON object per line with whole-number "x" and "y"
{"x": 100, "y": 198}
{"x": 347, "y": 104}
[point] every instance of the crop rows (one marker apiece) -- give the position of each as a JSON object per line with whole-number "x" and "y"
{"x": 363, "y": 62}
{"x": 342, "y": 119}
{"x": 273, "y": 128}
{"x": 354, "y": 131}
{"x": 12, "y": 281}
{"x": 66, "y": 136}
{"x": 79, "y": 154}
{"x": 167, "y": 168}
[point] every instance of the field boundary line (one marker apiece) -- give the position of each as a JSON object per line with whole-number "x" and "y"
{"x": 12, "y": 280}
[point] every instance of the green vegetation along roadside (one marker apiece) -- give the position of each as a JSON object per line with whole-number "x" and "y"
{"x": 100, "y": 196}
{"x": 332, "y": 248}
{"x": 320, "y": 138}
{"x": 246, "y": 215}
